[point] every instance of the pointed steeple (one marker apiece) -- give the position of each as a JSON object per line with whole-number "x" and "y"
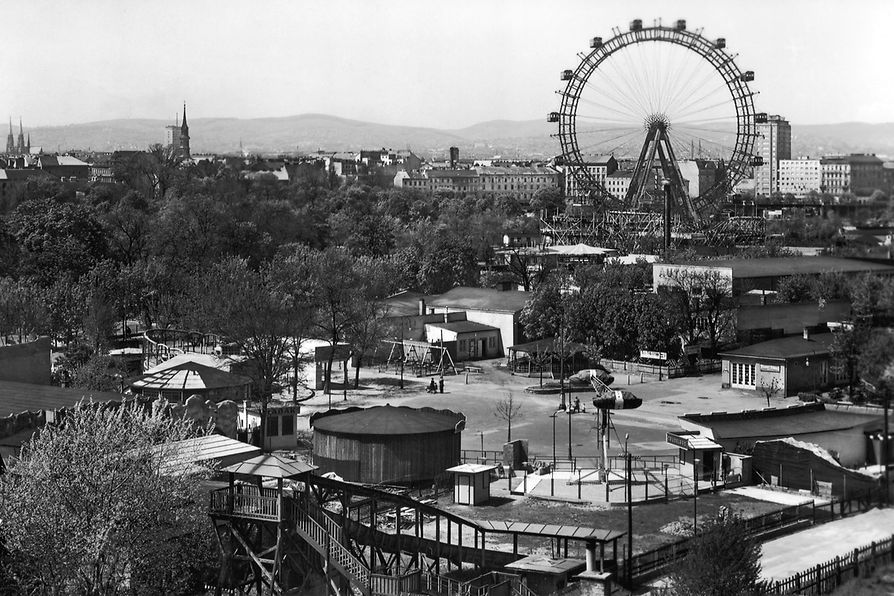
{"x": 184, "y": 126}
{"x": 20, "y": 145}
{"x": 10, "y": 140}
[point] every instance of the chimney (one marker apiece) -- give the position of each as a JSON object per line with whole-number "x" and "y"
{"x": 806, "y": 333}
{"x": 421, "y": 307}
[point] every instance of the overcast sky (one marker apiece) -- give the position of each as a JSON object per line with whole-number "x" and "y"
{"x": 445, "y": 64}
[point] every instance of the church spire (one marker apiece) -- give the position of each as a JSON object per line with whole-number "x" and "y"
{"x": 10, "y": 140}
{"x": 184, "y": 125}
{"x": 20, "y": 145}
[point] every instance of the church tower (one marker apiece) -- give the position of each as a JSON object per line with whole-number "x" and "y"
{"x": 21, "y": 143}
{"x": 10, "y": 140}
{"x": 184, "y": 136}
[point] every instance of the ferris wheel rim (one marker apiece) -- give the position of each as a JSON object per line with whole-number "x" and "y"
{"x": 709, "y": 51}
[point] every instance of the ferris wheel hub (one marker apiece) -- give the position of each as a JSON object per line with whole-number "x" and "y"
{"x": 657, "y": 120}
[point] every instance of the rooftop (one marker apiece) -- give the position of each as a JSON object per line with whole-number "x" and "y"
{"x": 462, "y": 326}
{"x": 21, "y": 397}
{"x": 779, "y": 266}
{"x": 270, "y": 466}
{"x": 387, "y": 420}
{"x": 464, "y": 298}
{"x": 797, "y": 419}
{"x": 783, "y": 348}
{"x": 471, "y": 468}
{"x": 189, "y": 376}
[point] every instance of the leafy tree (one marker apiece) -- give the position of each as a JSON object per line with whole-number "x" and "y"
{"x": 21, "y": 310}
{"x": 447, "y": 261}
{"x": 89, "y": 508}
{"x": 367, "y": 330}
{"x": 703, "y": 297}
{"x": 261, "y": 311}
{"x": 547, "y": 201}
{"x": 57, "y": 238}
{"x": 339, "y": 289}
{"x": 793, "y": 289}
{"x": 723, "y": 560}
{"x": 99, "y": 373}
{"x": 544, "y": 313}
{"x": 876, "y": 357}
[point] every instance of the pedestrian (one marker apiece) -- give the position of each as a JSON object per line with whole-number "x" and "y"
{"x": 441, "y": 384}
{"x": 431, "y": 387}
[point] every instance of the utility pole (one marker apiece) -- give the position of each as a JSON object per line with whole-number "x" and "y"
{"x": 629, "y": 522}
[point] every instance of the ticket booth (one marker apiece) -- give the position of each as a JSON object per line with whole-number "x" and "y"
{"x": 471, "y": 483}
{"x": 699, "y": 456}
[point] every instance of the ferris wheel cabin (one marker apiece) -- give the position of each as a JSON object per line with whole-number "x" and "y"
{"x": 636, "y": 24}
{"x": 596, "y": 42}
{"x": 681, "y": 25}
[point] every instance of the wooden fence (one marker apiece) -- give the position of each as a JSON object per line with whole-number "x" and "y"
{"x": 650, "y": 563}
{"x": 826, "y": 577}
{"x": 668, "y": 372}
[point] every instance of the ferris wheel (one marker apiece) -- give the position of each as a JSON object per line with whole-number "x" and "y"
{"x": 672, "y": 111}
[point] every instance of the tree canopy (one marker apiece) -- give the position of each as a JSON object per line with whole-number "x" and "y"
{"x": 91, "y": 508}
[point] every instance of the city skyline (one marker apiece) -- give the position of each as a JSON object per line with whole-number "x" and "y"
{"x": 432, "y": 64}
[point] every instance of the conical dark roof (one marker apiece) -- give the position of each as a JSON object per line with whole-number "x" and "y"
{"x": 388, "y": 420}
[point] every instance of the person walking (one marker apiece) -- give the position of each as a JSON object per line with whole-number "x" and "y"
{"x": 441, "y": 384}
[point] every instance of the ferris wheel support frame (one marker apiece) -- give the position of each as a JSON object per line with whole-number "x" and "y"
{"x": 699, "y": 208}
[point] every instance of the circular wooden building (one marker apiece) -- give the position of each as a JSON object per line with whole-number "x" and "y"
{"x": 386, "y": 444}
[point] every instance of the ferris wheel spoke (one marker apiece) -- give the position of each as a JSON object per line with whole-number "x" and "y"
{"x": 634, "y": 76}
{"x": 705, "y": 120}
{"x": 604, "y": 142}
{"x": 619, "y": 97}
{"x": 692, "y": 103}
{"x": 604, "y": 94}
{"x": 718, "y": 104}
{"x": 690, "y": 87}
{"x": 609, "y": 121}
{"x": 605, "y": 107}
{"x": 593, "y": 131}
{"x": 616, "y": 78}
{"x": 682, "y": 82}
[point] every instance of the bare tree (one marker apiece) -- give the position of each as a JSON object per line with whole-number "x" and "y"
{"x": 770, "y": 390}
{"x": 508, "y": 409}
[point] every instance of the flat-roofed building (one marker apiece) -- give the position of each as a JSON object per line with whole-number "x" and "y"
{"x": 774, "y": 143}
{"x": 764, "y": 274}
{"x": 800, "y": 176}
{"x": 835, "y": 175}
{"x": 598, "y": 166}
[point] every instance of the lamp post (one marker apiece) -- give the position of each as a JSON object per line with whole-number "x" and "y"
{"x": 570, "y": 457}
{"x": 552, "y": 478}
{"x": 629, "y": 512}
{"x": 695, "y": 462}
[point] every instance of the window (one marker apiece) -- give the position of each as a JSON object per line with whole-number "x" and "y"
{"x": 492, "y": 342}
{"x": 288, "y": 425}
{"x": 742, "y": 375}
{"x": 462, "y": 345}
{"x": 272, "y": 426}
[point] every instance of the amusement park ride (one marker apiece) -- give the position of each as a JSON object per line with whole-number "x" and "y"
{"x": 657, "y": 92}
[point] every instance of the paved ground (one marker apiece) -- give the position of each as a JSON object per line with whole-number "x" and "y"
{"x": 663, "y": 401}
{"x": 782, "y": 497}
{"x": 786, "y": 556}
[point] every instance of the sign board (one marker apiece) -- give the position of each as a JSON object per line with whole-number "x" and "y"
{"x": 677, "y": 440}
{"x": 653, "y": 355}
{"x": 770, "y": 368}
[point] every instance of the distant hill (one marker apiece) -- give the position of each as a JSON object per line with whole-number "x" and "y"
{"x": 309, "y": 132}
